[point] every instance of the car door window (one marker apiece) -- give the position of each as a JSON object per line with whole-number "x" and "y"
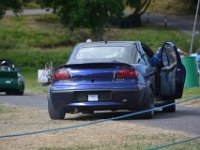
{"x": 169, "y": 57}
{"x": 165, "y": 59}
{"x": 169, "y": 70}
{"x": 140, "y": 59}
{"x": 172, "y": 57}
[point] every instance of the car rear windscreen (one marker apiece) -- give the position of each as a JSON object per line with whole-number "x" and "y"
{"x": 104, "y": 54}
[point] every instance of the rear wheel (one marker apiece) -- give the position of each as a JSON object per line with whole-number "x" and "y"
{"x": 55, "y": 114}
{"x": 171, "y": 108}
{"x": 19, "y": 92}
{"x": 90, "y": 112}
{"x": 9, "y": 93}
{"x": 149, "y": 104}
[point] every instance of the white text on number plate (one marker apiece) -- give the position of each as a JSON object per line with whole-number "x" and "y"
{"x": 92, "y": 98}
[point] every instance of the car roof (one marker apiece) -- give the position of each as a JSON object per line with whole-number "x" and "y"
{"x": 126, "y": 44}
{"x": 106, "y": 43}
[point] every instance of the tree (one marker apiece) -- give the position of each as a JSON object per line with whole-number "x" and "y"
{"x": 136, "y": 8}
{"x": 140, "y": 6}
{"x": 93, "y": 14}
{"x": 15, "y": 5}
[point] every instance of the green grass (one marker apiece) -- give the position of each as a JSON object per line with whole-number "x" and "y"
{"x": 191, "y": 92}
{"x": 43, "y": 31}
{"x": 153, "y": 36}
{"x": 32, "y": 41}
{"x": 31, "y": 5}
{"x": 138, "y": 143}
{"x": 172, "y": 7}
{"x": 36, "y": 58}
{"x": 32, "y": 86}
{"x": 5, "y": 109}
{"x": 178, "y": 7}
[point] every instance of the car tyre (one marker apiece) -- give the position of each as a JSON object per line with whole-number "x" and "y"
{"x": 9, "y": 93}
{"x": 55, "y": 114}
{"x": 171, "y": 108}
{"x": 149, "y": 96}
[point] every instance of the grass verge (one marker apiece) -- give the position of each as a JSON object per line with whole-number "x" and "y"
{"x": 4, "y": 109}
{"x": 32, "y": 41}
{"x": 172, "y": 7}
{"x": 109, "y": 135}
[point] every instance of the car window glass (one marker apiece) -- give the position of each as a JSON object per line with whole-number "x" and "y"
{"x": 104, "y": 54}
{"x": 170, "y": 53}
{"x": 172, "y": 56}
{"x": 140, "y": 59}
{"x": 165, "y": 60}
{"x": 100, "y": 52}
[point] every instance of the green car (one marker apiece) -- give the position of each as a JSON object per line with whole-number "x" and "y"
{"x": 11, "y": 81}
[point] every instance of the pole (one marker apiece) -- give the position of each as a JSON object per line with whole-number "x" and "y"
{"x": 165, "y": 24}
{"x": 194, "y": 27}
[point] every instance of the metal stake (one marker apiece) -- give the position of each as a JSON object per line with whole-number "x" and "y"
{"x": 194, "y": 27}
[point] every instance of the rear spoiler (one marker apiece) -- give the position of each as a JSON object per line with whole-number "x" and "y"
{"x": 98, "y": 65}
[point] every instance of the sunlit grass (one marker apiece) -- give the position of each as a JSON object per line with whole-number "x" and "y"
{"x": 32, "y": 86}
{"x": 35, "y": 57}
{"x": 32, "y": 41}
{"x": 191, "y": 92}
{"x": 153, "y": 36}
{"x": 138, "y": 143}
{"x": 172, "y": 7}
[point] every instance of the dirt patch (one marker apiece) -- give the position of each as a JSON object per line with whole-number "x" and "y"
{"x": 107, "y": 135}
{"x": 194, "y": 103}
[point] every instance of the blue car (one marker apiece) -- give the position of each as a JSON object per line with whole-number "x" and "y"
{"x": 116, "y": 75}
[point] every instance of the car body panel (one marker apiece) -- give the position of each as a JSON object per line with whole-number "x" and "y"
{"x": 11, "y": 81}
{"x": 96, "y": 85}
{"x": 173, "y": 73}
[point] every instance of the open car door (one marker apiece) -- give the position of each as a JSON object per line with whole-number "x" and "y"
{"x": 172, "y": 73}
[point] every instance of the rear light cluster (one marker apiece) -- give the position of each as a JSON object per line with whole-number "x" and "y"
{"x": 62, "y": 74}
{"x": 126, "y": 73}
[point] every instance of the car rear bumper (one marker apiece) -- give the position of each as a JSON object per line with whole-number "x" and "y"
{"x": 9, "y": 85}
{"x": 11, "y": 89}
{"x": 108, "y": 99}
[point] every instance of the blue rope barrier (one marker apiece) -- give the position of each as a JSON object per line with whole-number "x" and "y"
{"x": 96, "y": 122}
{"x": 176, "y": 143}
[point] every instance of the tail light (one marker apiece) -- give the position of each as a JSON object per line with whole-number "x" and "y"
{"x": 20, "y": 80}
{"x": 126, "y": 73}
{"x": 62, "y": 74}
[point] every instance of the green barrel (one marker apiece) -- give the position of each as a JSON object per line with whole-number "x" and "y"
{"x": 192, "y": 79}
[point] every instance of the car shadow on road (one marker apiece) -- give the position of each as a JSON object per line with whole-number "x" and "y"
{"x": 159, "y": 115}
{"x": 100, "y": 115}
{"x": 106, "y": 115}
{"x": 183, "y": 112}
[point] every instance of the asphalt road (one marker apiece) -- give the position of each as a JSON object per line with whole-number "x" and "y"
{"x": 186, "y": 119}
{"x": 30, "y": 12}
{"x": 183, "y": 23}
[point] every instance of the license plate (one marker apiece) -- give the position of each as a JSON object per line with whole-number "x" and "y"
{"x": 8, "y": 82}
{"x": 92, "y": 98}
